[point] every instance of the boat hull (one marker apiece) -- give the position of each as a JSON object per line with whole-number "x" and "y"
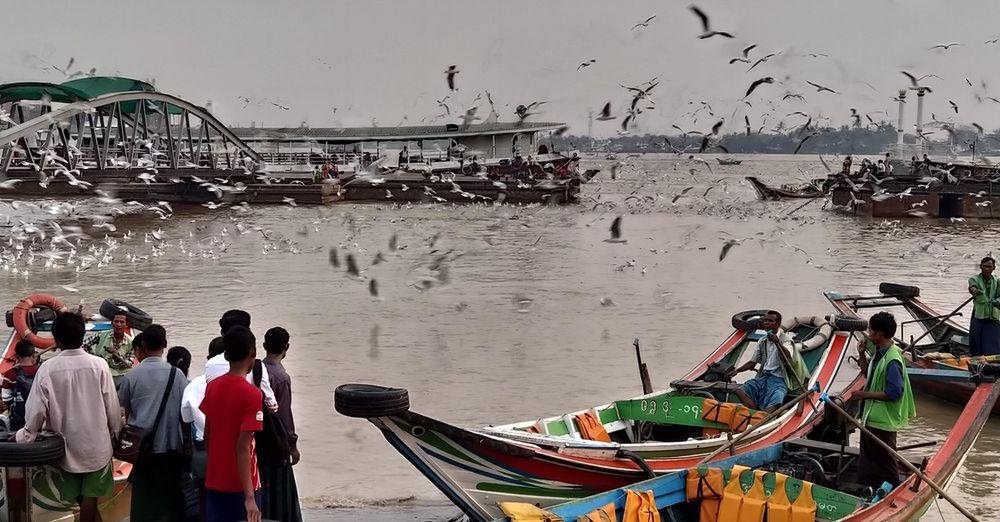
{"x": 766, "y": 192}
{"x": 476, "y": 469}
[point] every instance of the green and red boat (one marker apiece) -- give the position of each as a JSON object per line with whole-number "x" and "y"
{"x": 798, "y": 479}
{"x": 947, "y": 346}
{"x": 555, "y": 459}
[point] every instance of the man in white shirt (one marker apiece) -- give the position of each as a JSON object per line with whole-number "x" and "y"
{"x": 74, "y": 396}
{"x": 218, "y": 365}
{"x": 774, "y": 354}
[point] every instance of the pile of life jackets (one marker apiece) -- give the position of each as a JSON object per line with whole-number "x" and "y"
{"x": 736, "y": 416}
{"x": 640, "y": 506}
{"x": 727, "y": 501}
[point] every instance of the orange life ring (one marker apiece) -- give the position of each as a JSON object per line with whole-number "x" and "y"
{"x": 21, "y": 318}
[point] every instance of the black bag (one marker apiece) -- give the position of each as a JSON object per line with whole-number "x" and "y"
{"x": 22, "y": 386}
{"x": 133, "y": 440}
{"x": 271, "y": 442}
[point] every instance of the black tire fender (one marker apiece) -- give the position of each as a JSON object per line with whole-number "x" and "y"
{"x": 896, "y": 290}
{"x": 137, "y": 319}
{"x": 843, "y": 323}
{"x": 44, "y": 450}
{"x": 749, "y": 320}
{"x": 370, "y": 400}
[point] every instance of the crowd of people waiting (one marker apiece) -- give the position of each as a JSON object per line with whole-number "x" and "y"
{"x": 219, "y": 447}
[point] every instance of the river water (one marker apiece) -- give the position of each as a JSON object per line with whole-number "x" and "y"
{"x": 512, "y": 325}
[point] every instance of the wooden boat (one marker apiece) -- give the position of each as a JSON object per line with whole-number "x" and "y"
{"x": 785, "y": 192}
{"x": 809, "y": 472}
{"x": 728, "y": 161}
{"x": 45, "y": 483}
{"x": 554, "y": 459}
{"x": 947, "y": 346}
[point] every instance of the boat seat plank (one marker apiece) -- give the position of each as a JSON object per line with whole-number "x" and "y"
{"x": 711, "y": 387}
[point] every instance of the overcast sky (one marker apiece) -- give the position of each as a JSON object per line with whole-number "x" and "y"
{"x": 385, "y": 60}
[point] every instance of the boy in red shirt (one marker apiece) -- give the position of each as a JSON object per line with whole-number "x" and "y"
{"x": 232, "y": 409}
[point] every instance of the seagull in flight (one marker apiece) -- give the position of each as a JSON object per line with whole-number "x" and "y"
{"x": 706, "y": 25}
{"x": 644, "y": 23}
{"x": 606, "y": 113}
{"x": 762, "y": 60}
{"x": 587, "y": 63}
{"x": 757, "y": 83}
{"x": 945, "y": 46}
{"x": 616, "y": 232}
{"x": 745, "y": 58}
{"x": 820, "y": 88}
{"x": 450, "y": 76}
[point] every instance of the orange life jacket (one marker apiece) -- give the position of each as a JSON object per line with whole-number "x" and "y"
{"x": 591, "y": 428}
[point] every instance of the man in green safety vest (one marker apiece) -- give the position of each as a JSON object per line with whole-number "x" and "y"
{"x": 887, "y": 401}
{"x": 984, "y": 328}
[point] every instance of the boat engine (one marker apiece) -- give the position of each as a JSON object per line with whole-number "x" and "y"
{"x": 801, "y": 465}
{"x": 718, "y": 372}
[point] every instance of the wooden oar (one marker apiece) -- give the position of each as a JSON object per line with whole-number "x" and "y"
{"x": 945, "y": 318}
{"x": 767, "y": 418}
{"x": 907, "y": 464}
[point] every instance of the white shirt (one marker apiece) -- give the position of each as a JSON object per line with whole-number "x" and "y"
{"x": 190, "y": 411}
{"x": 74, "y": 396}
{"x": 767, "y": 354}
{"x": 218, "y": 366}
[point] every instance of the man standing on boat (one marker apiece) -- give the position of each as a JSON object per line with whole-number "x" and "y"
{"x": 781, "y": 368}
{"x": 984, "y": 328}
{"x": 114, "y": 346}
{"x": 887, "y": 401}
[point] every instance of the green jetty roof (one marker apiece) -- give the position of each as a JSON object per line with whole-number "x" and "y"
{"x": 95, "y": 86}
{"x": 11, "y": 92}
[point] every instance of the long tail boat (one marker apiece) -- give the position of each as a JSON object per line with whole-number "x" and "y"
{"x": 801, "y": 480}
{"x": 947, "y": 346}
{"x": 806, "y": 191}
{"x": 554, "y": 459}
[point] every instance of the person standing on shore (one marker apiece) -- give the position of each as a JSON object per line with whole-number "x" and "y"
{"x": 218, "y": 365}
{"x": 151, "y": 396}
{"x": 984, "y": 327}
{"x": 74, "y": 396}
{"x": 233, "y": 413}
{"x": 281, "y": 496}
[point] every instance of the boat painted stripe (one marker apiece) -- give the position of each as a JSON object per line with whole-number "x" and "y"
{"x": 535, "y": 492}
{"x": 453, "y": 495}
{"x": 472, "y": 469}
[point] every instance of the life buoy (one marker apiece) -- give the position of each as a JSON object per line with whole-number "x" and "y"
{"x": 819, "y": 338}
{"x": 21, "y": 310}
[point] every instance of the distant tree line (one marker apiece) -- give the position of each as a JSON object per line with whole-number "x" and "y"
{"x": 869, "y": 140}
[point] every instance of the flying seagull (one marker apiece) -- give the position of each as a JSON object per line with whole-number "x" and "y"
{"x": 745, "y": 58}
{"x": 706, "y": 24}
{"x": 914, "y": 81}
{"x": 945, "y": 46}
{"x": 450, "y": 75}
{"x": 587, "y": 63}
{"x": 605, "y": 113}
{"x": 616, "y": 232}
{"x": 757, "y": 83}
{"x": 644, "y": 23}
{"x": 954, "y": 106}
{"x": 762, "y": 60}
{"x": 820, "y": 88}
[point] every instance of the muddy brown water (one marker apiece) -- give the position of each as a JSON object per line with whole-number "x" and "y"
{"x": 518, "y": 331}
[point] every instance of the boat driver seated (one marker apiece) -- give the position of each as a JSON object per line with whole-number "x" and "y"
{"x": 778, "y": 359}
{"x": 114, "y": 346}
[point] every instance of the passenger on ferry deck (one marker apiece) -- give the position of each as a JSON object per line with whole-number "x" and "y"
{"x": 157, "y": 475}
{"x": 114, "y": 346}
{"x": 984, "y": 327}
{"x": 74, "y": 396}
{"x": 326, "y": 169}
{"x": 847, "y": 166}
{"x": 17, "y": 383}
{"x": 887, "y": 402}
{"x": 768, "y": 389}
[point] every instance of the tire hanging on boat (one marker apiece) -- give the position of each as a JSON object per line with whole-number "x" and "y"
{"x": 749, "y": 320}
{"x": 897, "y": 290}
{"x": 848, "y": 324}
{"x": 370, "y": 400}
{"x": 44, "y": 450}
{"x": 20, "y": 318}
{"x": 136, "y": 318}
